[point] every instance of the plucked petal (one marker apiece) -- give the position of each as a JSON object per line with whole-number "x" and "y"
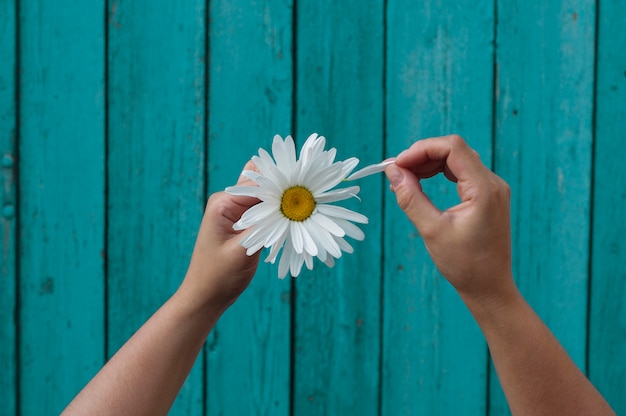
{"x": 370, "y": 170}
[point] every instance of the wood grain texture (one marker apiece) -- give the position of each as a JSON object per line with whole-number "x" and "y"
{"x": 156, "y": 89}
{"x": 439, "y": 78}
{"x": 544, "y": 112}
{"x": 250, "y": 84}
{"x": 607, "y": 357}
{"x": 192, "y": 93}
{"x": 62, "y": 191}
{"x": 8, "y": 208}
{"x": 339, "y": 70}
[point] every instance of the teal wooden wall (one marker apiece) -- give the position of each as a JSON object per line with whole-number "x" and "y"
{"x": 118, "y": 118}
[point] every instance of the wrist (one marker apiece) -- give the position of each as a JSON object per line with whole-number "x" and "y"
{"x": 200, "y": 300}
{"x": 492, "y": 304}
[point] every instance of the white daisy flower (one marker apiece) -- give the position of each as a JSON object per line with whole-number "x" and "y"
{"x": 295, "y": 211}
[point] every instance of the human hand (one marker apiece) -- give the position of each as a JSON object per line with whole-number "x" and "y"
{"x": 470, "y": 243}
{"x": 220, "y": 270}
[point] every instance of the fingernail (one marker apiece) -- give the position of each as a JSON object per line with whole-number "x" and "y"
{"x": 394, "y": 174}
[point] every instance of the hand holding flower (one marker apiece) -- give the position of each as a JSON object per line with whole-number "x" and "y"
{"x": 220, "y": 269}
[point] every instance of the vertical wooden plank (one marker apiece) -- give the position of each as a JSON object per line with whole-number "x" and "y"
{"x": 62, "y": 193}
{"x": 337, "y": 311}
{"x": 543, "y": 150}
{"x": 250, "y": 86}
{"x": 156, "y": 60}
{"x": 607, "y": 357}
{"x": 8, "y": 241}
{"x": 439, "y": 81}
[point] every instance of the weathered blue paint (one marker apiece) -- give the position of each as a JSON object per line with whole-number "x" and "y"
{"x": 8, "y": 205}
{"x": 607, "y": 324}
{"x": 156, "y": 90}
{"x": 61, "y": 206}
{"x": 439, "y": 77}
{"x": 174, "y": 98}
{"x": 544, "y": 111}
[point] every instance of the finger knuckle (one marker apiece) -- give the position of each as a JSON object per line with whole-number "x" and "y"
{"x": 456, "y": 140}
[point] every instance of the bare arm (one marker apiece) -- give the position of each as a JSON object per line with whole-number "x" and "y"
{"x": 146, "y": 374}
{"x": 471, "y": 245}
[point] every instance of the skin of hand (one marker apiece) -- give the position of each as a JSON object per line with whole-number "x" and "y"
{"x": 146, "y": 374}
{"x": 220, "y": 270}
{"x": 470, "y": 244}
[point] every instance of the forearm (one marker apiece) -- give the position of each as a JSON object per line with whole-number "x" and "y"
{"x": 146, "y": 374}
{"x": 537, "y": 375}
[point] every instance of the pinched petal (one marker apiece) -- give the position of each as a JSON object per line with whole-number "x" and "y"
{"x": 371, "y": 169}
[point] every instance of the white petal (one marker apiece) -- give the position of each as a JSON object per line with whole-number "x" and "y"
{"x": 254, "y": 237}
{"x": 284, "y": 153}
{"x": 285, "y": 259}
{"x": 326, "y": 179}
{"x": 327, "y": 224}
{"x": 338, "y": 195}
{"x": 254, "y": 215}
{"x": 344, "y": 245}
{"x": 330, "y": 262}
{"x": 308, "y": 260}
{"x": 296, "y": 236}
{"x": 254, "y": 248}
{"x": 296, "y": 264}
{"x": 351, "y": 230}
{"x": 341, "y": 212}
{"x": 370, "y": 170}
{"x": 309, "y": 245}
{"x": 241, "y": 190}
{"x": 281, "y": 224}
{"x": 269, "y": 170}
{"x": 275, "y": 248}
{"x": 349, "y": 165}
{"x": 325, "y": 240}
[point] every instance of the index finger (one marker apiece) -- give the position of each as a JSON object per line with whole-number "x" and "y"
{"x": 448, "y": 154}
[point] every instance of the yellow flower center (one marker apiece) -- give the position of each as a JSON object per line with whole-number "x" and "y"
{"x": 297, "y": 203}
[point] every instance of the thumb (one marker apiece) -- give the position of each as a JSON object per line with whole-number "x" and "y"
{"x": 411, "y": 199}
